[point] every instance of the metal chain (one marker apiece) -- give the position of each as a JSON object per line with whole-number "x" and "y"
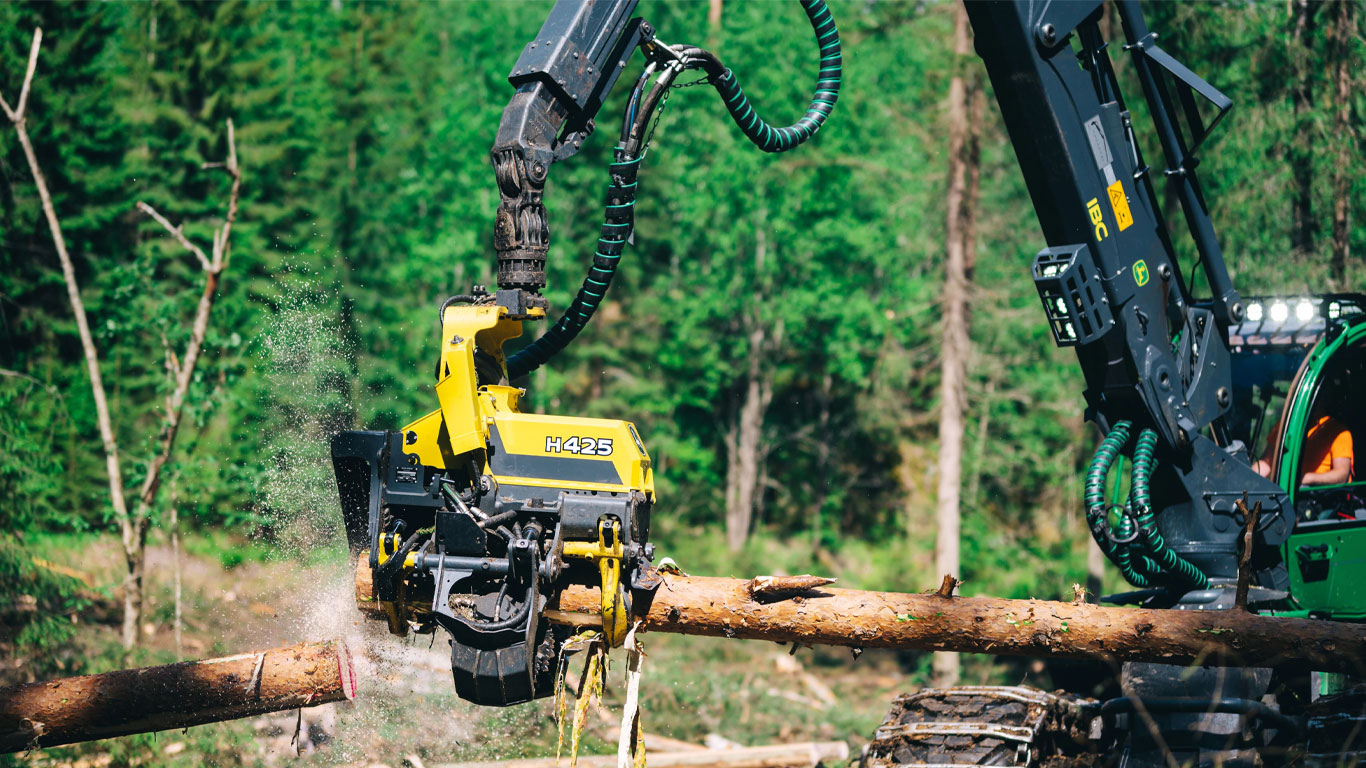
{"x": 699, "y": 81}
{"x": 659, "y": 115}
{"x": 659, "y": 111}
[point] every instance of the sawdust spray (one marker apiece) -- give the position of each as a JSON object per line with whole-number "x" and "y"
{"x": 405, "y": 701}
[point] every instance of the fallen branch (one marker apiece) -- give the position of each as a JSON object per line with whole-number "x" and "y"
{"x": 767, "y": 589}
{"x": 1245, "y": 557}
{"x": 948, "y": 585}
{"x": 173, "y": 696}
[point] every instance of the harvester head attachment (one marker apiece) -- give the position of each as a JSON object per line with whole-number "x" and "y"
{"x": 494, "y": 512}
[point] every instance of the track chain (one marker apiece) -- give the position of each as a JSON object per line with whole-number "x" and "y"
{"x": 984, "y": 725}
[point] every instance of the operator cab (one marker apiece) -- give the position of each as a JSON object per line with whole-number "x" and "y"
{"x": 1277, "y": 381}
{"x": 1343, "y": 374}
{"x": 1296, "y": 360}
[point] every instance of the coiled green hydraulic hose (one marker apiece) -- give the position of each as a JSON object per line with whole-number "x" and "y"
{"x": 1138, "y": 569}
{"x": 1134, "y": 544}
{"x": 1167, "y": 560}
{"x": 1099, "y": 469}
{"x": 759, "y": 131}
{"x": 1117, "y": 552}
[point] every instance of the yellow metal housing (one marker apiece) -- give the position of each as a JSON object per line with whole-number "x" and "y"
{"x": 533, "y": 450}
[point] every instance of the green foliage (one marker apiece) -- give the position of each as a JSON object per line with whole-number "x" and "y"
{"x": 37, "y": 608}
{"x": 33, "y": 418}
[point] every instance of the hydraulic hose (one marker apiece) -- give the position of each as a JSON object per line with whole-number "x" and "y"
{"x": 1118, "y": 552}
{"x": 756, "y": 129}
{"x": 1100, "y": 466}
{"x": 1134, "y": 563}
{"x": 1134, "y": 544}
{"x": 1172, "y": 564}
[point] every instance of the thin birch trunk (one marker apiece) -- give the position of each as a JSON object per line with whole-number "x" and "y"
{"x": 128, "y": 531}
{"x": 132, "y": 524}
{"x": 182, "y": 373}
{"x": 175, "y": 567}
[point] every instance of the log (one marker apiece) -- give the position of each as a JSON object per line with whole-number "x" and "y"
{"x": 721, "y": 607}
{"x": 776, "y": 756}
{"x": 129, "y": 701}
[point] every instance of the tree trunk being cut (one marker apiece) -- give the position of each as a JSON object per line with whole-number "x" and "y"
{"x": 826, "y": 616}
{"x": 718, "y": 607}
{"x": 173, "y": 696}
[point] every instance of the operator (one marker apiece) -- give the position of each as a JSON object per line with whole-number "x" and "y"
{"x": 1327, "y": 450}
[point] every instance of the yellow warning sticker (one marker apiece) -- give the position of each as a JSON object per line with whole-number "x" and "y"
{"x": 1120, "y": 203}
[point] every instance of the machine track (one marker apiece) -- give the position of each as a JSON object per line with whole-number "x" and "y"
{"x": 984, "y": 725}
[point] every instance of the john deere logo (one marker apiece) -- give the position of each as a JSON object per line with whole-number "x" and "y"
{"x": 1141, "y": 272}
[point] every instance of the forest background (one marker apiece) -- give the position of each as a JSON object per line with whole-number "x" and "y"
{"x": 804, "y": 287}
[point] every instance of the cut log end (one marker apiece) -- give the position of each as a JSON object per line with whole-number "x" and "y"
{"x": 346, "y": 671}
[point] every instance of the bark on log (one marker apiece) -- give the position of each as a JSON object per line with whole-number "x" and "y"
{"x": 720, "y": 607}
{"x": 173, "y": 696}
{"x": 723, "y": 608}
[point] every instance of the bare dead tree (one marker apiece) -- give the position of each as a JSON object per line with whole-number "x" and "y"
{"x": 18, "y": 117}
{"x": 134, "y": 522}
{"x": 960, "y": 243}
{"x": 181, "y": 371}
{"x": 746, "y": 449}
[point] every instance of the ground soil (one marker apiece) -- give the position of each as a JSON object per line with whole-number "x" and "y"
{"x": 695, "y": 689}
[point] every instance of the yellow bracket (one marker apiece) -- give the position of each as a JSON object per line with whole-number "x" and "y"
{"x": 607, "y": 553}
{"x": 396, "y": 611}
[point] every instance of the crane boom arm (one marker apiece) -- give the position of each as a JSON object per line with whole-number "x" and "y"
{"x": 1111, "y": 285}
